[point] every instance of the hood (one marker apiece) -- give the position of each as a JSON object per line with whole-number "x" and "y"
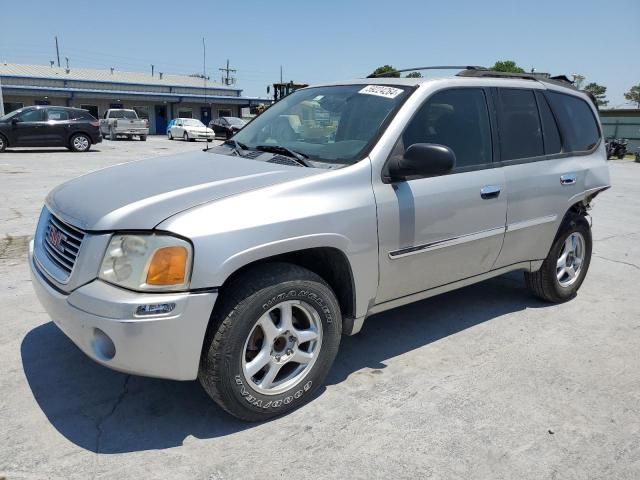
{"x": 140, "y": 195}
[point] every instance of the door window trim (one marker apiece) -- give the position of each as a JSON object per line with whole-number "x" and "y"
{"x": 386, "y": 178}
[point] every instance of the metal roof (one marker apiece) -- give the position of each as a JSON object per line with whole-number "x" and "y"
{"x": 118, "y": 76}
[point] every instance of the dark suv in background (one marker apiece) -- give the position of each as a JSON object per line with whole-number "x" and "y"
{"x": 49, "y": 126}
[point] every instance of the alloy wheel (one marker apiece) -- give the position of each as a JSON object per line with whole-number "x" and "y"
{"x": 282, "y": 347}
{"x": 569, "y": 263}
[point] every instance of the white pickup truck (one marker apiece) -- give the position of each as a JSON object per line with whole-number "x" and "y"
{"x": 122, "y": 122}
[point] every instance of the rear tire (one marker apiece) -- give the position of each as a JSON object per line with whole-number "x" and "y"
{"x": 566, "y": 265}
{"x": 80, "y": 143}
{"x": 112, "y": 135}
{"x": 143, "y": 138}
{"x": 170, "y": 136}
{"x": 294, "y": 350}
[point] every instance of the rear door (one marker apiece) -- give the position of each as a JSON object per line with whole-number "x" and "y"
{"x": 438, "y": 230}
{"x": 58, "y": 127}
{"x": 542, "y": 169}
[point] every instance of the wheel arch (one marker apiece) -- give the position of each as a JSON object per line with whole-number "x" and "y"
{"x": 329, "y": 263}
{"x": 80, "y": 132}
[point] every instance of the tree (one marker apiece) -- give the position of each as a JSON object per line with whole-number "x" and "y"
{"x": 633, "y": 95}
{"x": 507, "y": 66}
{"x": 598, "y": 92}
{"x": 414, "y": 75}
{"x": 385, "y": 71}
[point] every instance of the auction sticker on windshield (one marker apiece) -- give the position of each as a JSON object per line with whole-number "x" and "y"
{"x": 381, "y": 91}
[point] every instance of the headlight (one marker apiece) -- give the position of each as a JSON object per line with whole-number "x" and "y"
{"x": 147, "y": 262}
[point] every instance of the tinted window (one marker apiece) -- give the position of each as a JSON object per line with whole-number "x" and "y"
{"x": 550, "y": 133}
{"x": 457, "y": 118}
{"x": 520, "y": 131}
{"x": 57, "y": 115}
{"x": 578, "y": 125}
{"x": 31, "y": 116}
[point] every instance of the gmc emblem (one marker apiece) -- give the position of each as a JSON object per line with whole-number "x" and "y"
{"x": 55, "y": 238}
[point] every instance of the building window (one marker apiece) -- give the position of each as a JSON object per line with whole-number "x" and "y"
{"x": 116, "y": 105}
{"x": 11, "y": 106}
{"x": 42, "y": 102}
{"x": 92, "y": 109}
{"x": 185, "y": 113}
{"x": 143, "y": 112}
{"x": 224, "y": 112}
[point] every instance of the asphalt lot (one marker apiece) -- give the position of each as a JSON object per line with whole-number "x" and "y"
{"x": 485, "y": 382}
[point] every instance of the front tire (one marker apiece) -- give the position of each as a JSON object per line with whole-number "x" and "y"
{"x": 271, "y": 341}
{"x": 566, "y": 265}
{"x": 143, "y": 138}
{"x": 3, "y": 144}
{"x": 80, "y": 143}
{"x": 185, "y": 137}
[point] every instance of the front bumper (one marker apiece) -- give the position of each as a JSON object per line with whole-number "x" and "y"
{"x": 100, "y": 319}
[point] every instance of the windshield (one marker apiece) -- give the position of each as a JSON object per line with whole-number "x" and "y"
{"x": 9, "y": 115}
{"x": 192, "y": 123}
{"x": 235, "y": 120}
{"x": 331, "y": 124}
{"x": 128, "y": 114}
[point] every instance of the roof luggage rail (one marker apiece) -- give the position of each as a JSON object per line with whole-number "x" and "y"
{"x": 440, "y": 67}
{"x": 496, "y": 74}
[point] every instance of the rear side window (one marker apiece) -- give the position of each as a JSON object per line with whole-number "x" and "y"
{"x": 457, "y": 118}
{"x": 57, "y": 114}
{"x": 550, "y": 133}
{"x": 577, "y": 122}
{"x": 520, "y": 129}
{"x": 81, "y": 115}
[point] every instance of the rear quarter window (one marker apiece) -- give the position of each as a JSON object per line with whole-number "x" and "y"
{"x": 578, "y": 125}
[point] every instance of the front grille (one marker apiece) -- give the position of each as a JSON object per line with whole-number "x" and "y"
{"x": 62, "y": 243}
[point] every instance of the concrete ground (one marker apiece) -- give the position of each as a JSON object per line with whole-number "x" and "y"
{"x": 485, "y": 382}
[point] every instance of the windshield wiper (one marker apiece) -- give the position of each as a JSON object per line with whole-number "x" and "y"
{"x": 300, "y": 157}
{"x": 237, "y": 146}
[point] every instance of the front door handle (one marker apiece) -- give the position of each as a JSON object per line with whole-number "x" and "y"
{"x": 568, "y": 179}
{"x": 489, "y": 191}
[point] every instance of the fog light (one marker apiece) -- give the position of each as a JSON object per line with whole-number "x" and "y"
{"x": 102, "y": 345}
{"x": 155, "y": 309}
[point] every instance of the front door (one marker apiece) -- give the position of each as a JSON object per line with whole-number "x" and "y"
{"x": 434, "y": 231}
{"x": 161, "y": 119}
{"x": 205, "y": 115}
{"x": 28, "y": 129}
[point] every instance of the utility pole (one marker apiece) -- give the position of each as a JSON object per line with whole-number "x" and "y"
{"x": 57, "y": 51}
{"x": 204, "y": 76}
{"x": 280, "y": 73}
{"x": 226, "y": 79}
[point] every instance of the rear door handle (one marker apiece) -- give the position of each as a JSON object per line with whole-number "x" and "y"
{"x": 568, "y": 179}
{"x": 489, "y": 191}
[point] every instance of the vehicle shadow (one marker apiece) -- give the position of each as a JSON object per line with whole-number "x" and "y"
{"x": 45, "y": 150}
{"x": 109, "y": 412}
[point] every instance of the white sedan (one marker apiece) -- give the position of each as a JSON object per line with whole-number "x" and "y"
{"x": 190, "y": 130}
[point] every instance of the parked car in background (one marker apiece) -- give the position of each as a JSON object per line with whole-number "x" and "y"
{"x": 190, "y": 130}
{"x": 227, "y": 126}
{"x": 124, "y": 123}
{"x": 244, "y": 264}
{"x": 48, "y": 126}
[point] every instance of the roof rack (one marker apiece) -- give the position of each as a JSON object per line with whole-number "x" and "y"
{"x": 494, "y": 74}
{"x": 441, "y": 67}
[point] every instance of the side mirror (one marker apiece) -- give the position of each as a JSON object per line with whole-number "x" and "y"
{"x": 424, "y": 160}
{"x": 15, "y": 121}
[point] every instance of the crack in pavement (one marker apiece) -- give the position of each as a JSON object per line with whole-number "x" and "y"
{"x": 101, "y": 422}
{"x": 618, "y": 261}
{"x": 630, "y": 234}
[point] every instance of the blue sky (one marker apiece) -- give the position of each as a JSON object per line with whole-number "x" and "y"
{"x": 330, "y": 39}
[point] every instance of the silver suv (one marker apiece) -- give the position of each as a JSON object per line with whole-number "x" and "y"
{"x": 243, "y": 265}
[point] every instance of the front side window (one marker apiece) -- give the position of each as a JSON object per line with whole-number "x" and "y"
{"x": 193, "y": 123}
{"x": 577, "y": 122}
{"x": 333, "y": 124}
{"x": 30, "y": 116}
{"x": 520, "y": 130}
{"x": 457, "y": 118}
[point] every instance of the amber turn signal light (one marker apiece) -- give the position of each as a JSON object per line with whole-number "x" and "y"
{"x": 168, "y": 266}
